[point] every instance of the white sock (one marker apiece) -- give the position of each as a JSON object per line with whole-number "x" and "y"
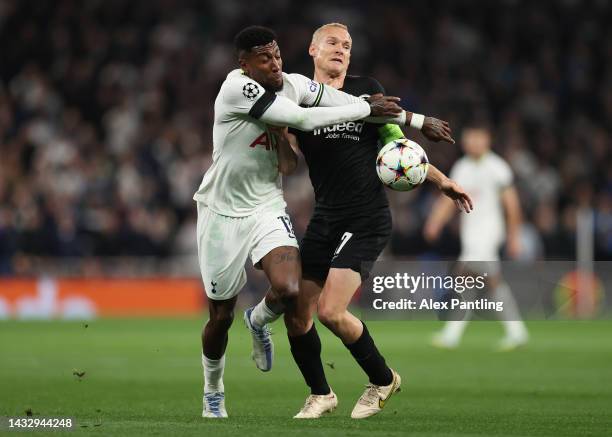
{"x": 262, "y": 314}
{"x": 510, "y": 317}
{"x": 515, "y": 328}
{"x": 213, "y": 374}
{"x": 453, "y": 330}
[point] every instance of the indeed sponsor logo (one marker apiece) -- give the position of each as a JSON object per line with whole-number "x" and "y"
{"x": 349, "y": 126}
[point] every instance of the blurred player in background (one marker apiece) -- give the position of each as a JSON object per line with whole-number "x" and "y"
{"x": 350, "y": 226}
{"x": 488, "y": 179}
{"x": 241, "y": 210}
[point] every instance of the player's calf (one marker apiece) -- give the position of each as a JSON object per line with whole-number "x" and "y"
{"x": 341, "y": 322}
{"x": 214, "y": 343}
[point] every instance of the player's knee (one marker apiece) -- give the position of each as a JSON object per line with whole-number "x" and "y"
{"x": 288, "y": 290}
{"x": 330, "y": 316}
{"x": 222, "y": 319}
{"x": 296, "y": 324}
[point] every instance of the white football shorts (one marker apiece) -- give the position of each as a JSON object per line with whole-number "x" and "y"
{"x": 224, "y": 243}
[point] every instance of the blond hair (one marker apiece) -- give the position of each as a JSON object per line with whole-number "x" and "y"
{"x": 317, "y": 32}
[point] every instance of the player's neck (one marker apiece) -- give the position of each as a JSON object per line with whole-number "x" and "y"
{"x": 332, "y": 80}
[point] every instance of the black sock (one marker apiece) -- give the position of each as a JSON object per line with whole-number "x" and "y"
{"x": 371, "y": 361}
{"x": 306, "y": 351}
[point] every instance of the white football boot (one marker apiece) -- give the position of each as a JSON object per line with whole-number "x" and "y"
{"x": 214, "y": 405}
{"x": 374, "y": 398}
{"x": 317, "y": 405}
{"x": 442, "y": 341}
{"x": 512, "y": 342}
{"x": 263, "y": 348}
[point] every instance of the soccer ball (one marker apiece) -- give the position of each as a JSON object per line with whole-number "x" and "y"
{"x": 402, "y": 165}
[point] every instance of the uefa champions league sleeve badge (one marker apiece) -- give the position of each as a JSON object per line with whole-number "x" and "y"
{"x": 250, "y": 90}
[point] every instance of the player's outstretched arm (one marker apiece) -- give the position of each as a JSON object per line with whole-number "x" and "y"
{"x": 432, "y": 128}
{"x": 450, "y": 189}
{"x": 284, "y": 112}
{"x": 444, "y": 208}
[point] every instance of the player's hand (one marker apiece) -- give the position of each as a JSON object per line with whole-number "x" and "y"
{"x": 383, "y": 106}
{"x": 280, "y": 131}
{"x": 462, "y": 199}
{"x": 436, "y": 130}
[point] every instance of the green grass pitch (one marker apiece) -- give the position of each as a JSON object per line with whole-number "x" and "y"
{"x": 144, "y": 377}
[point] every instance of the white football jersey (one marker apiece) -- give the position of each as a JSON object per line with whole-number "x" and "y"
{"x": 244, "y": 177}
{"x": 483, "y": 229}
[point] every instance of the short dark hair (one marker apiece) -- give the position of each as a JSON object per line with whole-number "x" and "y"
{"x": 253, "y": 36}
{"x": 478, "y": 124}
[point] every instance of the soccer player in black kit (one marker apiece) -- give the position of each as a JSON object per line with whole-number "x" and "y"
{"x": 350, "y": 226}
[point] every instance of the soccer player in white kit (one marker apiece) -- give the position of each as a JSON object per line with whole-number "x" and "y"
{"x": 488, "y": 179}
{"x": 241, "y": 211}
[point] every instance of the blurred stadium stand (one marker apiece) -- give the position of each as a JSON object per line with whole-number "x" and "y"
{"x": 106, "y": 115}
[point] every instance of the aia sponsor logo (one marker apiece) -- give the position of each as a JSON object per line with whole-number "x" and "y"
{"x": 264, "y": 141}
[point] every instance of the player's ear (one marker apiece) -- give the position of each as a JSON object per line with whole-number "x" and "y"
{"x": 243, "y": 61}
{"x": 312, "y": 50}
{"x": 243, "y": 65}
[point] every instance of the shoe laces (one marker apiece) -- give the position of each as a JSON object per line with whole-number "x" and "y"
{"x": 213, "y": 400}
{"x": 310, "y": 400}
{"x": 371, "y": 396}
{"x": 263, "y": 334}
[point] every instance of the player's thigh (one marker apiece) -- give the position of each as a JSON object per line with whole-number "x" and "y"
{"x": 361, "y": 240}
{"x": 338, "y": 290}
{"x": 317, "y": 249}
{"x": 275, "y": 250}
{"x": 283, "y": 269}
{"x": 481, "y": 258}
{"x": 223, "y": 247}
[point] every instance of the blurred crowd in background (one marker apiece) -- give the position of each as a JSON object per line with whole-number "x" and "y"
{"x": 106, "y": 111}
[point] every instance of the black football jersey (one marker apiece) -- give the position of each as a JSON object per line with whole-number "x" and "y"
{"x": 342, "y": 159}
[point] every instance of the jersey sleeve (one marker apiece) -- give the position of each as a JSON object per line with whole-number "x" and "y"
{"x": 284, "y": 112}
{"x": 389, "y": 132}
{"x": 244, "y": 96}
{"x": 309, "y": 92}
{"x": 330, "y": 96}
{"x": 312, "y": 93}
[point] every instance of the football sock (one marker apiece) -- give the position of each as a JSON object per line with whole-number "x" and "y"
{"x": 262, "y": 314}
{"x": 213, "y": 374}
{"x": 453, "y": 329}
{"x": 306, "y": 351}
{"x": 510, "y": 317}
{"x": 371, "y": 361}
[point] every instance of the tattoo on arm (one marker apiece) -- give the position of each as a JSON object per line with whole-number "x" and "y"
{"x": 286, "y": 256}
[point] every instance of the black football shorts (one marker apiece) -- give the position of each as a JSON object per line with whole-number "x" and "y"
{"x": 344, "y": 241}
